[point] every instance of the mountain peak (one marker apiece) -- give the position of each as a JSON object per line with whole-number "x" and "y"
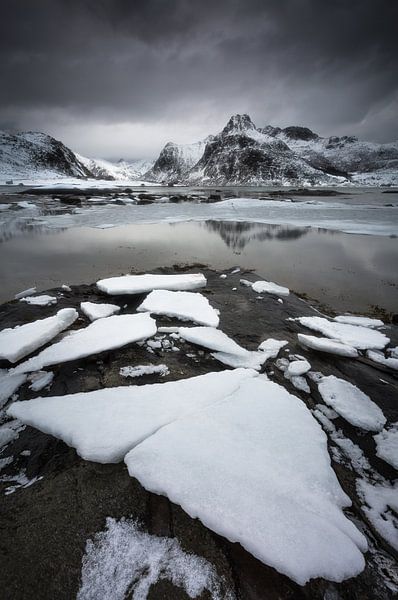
{"x": 239, "y": 124}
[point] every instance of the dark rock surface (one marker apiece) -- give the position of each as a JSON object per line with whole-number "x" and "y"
{"x": 44, "y": 527}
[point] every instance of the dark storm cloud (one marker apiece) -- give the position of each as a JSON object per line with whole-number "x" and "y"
{"x": 181, "y": 66}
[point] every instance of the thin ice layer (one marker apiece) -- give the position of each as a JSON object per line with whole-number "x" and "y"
{"x": 24, "y": 339}
{"x": 387, "y": 445}
{"x": 351, "y": 403}
{"x": 327, "y": 345}
{"x": 359, "y": 337}
{"x": 95, "y": 311}
{"x": 186, "y": 306}
{"x": 141, "y": 284}
{"x": 261, "y": 443}
{"x": 105, "y": 424}
{"x": 99, "y": 336}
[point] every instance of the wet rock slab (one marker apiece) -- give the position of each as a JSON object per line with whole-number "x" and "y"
{"x": 45, "y": 526}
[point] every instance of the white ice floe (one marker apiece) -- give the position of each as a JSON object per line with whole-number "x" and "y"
{"x": 140, "y": 284}
{"x": 362, "y": 321}
{"x": 28, "y": 292}
{"x": 9, "y": 383}
{"x": 393, "y": 352}
{"x": 41, "y": 380}
{"x": 381, "y": 507}
{"x": 141, "y": 370}
{"x": 125, "y": 561}
{"x": 44, "y": 300}
{"x": 351, "y": 403}
{"x": 271, "y": 347}
{"x": 299, "y": 383}
{"x": 298, "y": 367}
{"x": 211, "y": 338}
{"x": 101, "y": 335}
{"x": 22, "y": 340}
{"x": 379, "y": 358}
{"x": 387, "y": 445}
{"x": 66, "y": 288}
{"x": 95, "y": 311}
{"x": 223, "y": 276}
{"x": 269, "y": 287}
{"x": 326, "y": 345}
{"x": 186, "y": 306}
{"x": 359, "y": 337}
{"x": 264, "y": 438}
{"x": 105, "y": 424}
{"x": 7, "y": 435}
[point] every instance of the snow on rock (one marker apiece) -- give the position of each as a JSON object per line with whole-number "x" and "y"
{"x": 9, "y": 383}
{"x": 269, "y": 287}
{"x": 141, "y": 370}
{"x": 387, "y": 445}
{"x": 362, "y": 321}
{"x": 41, "y": 380}
{"x": 95, "y": 311}
{"x": 359, "y": 337}
{"x": 28, "y": 292}
{"x": 66, "y": 287}
{"x": 381, "y": 507}
{"x": 211, "y": 338}
{"x": 378, "y": 357}
{"x": 298, "y": 367}
{"x": 124, "y": 561}
{"x": 105, "y": 424}
{"x": 201, "y": 461}
{"x": 351, "y": 403}
{"x": 43, "y": 300}
{"x": 21, "y": 340}
{"x": 271, "y": 347}
{"x": 101, "y": 335}
{"x": 326, "y": 345}
{"x": 141, "y": 284}
{"x": 186, "y": 306}
{"x": 249, "y": 360}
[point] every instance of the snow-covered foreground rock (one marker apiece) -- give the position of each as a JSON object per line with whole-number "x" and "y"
{"x": 140, "y": 284}
{"x": 351, "y": 403}
{"x": 300, "y": 529}
{"x": 105, "y": 424}
{"x": 124, "y": 559}
{"x": 326, "y": 345}
{"x": 99, "y": 336}
{"x": 359, "y": 337}
{"x": 186, "y": 306}
{"x": 95, "y": 311}
{"x": 22, "y": 340}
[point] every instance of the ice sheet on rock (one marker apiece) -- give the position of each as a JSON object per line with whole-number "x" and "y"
{"x": 95, "y": 311}
{"x": 101, "y": 335}
{"x": 66, "y": 288}
{"x": 9, "y": 383}
{"x": 298, "y": 367}
{"x": 327, "y": 345}
{"x": 141, "y": 284}
{"x": 351, "y": 403}
{"x": 249, "y": 360}
{"x": 7, "y": 435}
{"x": 265, "y": 437}
{"x": 269, "y": 287}
{"x": 361, "y": 338}
{"x": 362, "y": 321}
{"x": 22, "y": 340}
{"x": 186, "y": 306}
{"x": 105, "y": 424}
{"x": 379, "y": 358}
{"x": 393, "y": 352}
{"x": 124, "y": 561}
{"x": 211, "y": 338}
{"x": 44, "y": 300}
{"x": 141, "y": 370}
{"x": 41, "y": 380}
{"x": 381, "y": 507}
{"x": 28, "y": 292}
{"x": 271, "y": 347}
{"x": 387, "y": 445}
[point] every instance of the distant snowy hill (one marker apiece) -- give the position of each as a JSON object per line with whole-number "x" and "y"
{"x": 121, "y": 170}
{"x": 244, "y": 154}
{"x": 30, "y": 155}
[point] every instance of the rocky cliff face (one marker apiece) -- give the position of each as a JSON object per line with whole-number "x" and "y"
{"x": 244, "y": 154}
{"x": 30, "y": 155}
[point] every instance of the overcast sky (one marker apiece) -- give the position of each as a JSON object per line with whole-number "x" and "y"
{"x": 120, "y": 78}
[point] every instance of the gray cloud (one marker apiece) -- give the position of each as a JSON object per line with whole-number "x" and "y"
{"x": 118, "y": 77}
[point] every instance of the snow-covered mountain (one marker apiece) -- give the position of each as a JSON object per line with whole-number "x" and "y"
{"x": 121, "y": 170}
{"x": 244, "y": 154}
{"x": 31, "y": 155}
